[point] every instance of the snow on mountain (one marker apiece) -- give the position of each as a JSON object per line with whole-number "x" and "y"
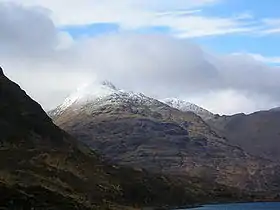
{"x": 104, "y": 93}
{"x": 88, "y": 93}
{"x": 100, "y": 94}
{"x": 85, "y": 94}
{"x": 185, "y": 106}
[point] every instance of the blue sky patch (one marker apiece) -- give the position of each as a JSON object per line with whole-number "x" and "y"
{"x": 261, "y": 18}
{"x": 94, "y": 29}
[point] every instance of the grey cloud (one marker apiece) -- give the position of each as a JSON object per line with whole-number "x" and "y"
{"x": 151, "y": 61}
{"x": 178, "y": 67}
{"x": 244, "y": 73}
{"x": 25, "y": 30}
{"x": 159, "y": 66}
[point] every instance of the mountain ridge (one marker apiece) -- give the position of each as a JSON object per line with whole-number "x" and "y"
{"x": 100, "y": 90}
{"x": 257, "y": 133}
{"x": 143, "y": 132}
{"x": 186, "y": 106}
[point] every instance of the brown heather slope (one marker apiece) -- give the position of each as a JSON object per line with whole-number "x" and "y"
{"x": 257, "y": 133}
{"x": 43, "y": 167}
{"x": 161, "y": 139}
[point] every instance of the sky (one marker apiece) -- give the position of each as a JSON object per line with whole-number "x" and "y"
{"x": 223, "y": 55}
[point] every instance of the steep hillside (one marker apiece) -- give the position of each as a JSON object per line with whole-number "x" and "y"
{"x": 134, "y": 130}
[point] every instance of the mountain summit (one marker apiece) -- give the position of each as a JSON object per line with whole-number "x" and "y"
{"x": 109, "y": 84}
{"x": 88, "y": 93}
{"x": 96, "y": 95}
{"x": 105, "y": 92}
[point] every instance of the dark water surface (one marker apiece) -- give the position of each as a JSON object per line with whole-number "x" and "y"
{"x": 241, "y": 206}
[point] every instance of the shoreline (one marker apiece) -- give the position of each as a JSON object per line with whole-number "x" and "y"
{"x": 192, "y": 206}
{"x": 216, "y": 203}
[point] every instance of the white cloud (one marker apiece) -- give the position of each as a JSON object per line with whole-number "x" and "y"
{"x": 159, "y": 66}
{"x": 196, "y": 26}
{"x": 183, "y": 17}
{"x": 228, "y": 101}
{"x": 89, "y": 11}
{"x": 271, "y": 26}
{"x": 266, "y": 59}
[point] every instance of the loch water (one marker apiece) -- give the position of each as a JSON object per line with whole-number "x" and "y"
{"x": 241, "y": 206}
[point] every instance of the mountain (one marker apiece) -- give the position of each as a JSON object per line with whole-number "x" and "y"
{"x": 43, "y": 167}
{"x": 134, "y": 130}
{"x": 257, "y": 133}
{"x": 188, "y": 107}
{"x": 99, "y": 95}
{"x": 276, "y": 109}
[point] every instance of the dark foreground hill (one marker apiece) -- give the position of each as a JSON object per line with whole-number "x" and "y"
{"x": 42, "y": 167}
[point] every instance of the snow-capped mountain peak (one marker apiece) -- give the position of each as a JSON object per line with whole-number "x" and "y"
{"x": 186, "y": 106}
{"x": 87, "y": 93}
{"x": 100, "y": 94}
{"x": 90, "y": 92}
{"x": 96, "y": 95}
{"x": 109, "y": 84}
